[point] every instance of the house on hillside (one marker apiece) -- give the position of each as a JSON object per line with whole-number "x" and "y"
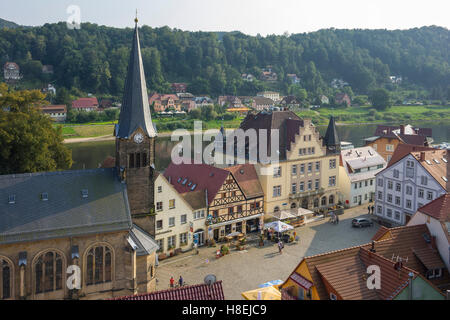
{"x": 275, "y": 96}
{"x": 261, "y": 103}
{"x": 342, "y": 98}
{"x": 229, "y": 101}
{"x": 293, "y": 78}
{"x": 85, "y": 104}
{"x": 11, "y": 72}
{"x": 179, "y": 87}
{"x": 57, "y": 113}
{"x": 47, "y": 69}
{"x": 165, "y": 102}
{"x": 247, "y": 77}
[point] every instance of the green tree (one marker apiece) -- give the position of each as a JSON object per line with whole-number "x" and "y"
{"x": 28, "y": 140}
{"x": 380, "y": 99}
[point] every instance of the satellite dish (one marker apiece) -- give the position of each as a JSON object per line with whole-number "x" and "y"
{"x": 210, "y": 279}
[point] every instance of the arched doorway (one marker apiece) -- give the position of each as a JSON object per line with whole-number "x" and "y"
{"x": 331, "y": 199}
{"x": 276, "y": 209}
{"x": 305, "y": 203}
{"x": 316, "y": 202}
{"x": 293, "y": 205}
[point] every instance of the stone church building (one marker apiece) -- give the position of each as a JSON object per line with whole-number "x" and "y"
{"x": 99, "y": 222}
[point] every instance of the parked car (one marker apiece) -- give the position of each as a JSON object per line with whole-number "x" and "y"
{"x": 361, "y": 222}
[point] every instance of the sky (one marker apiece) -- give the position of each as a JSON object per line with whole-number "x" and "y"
{"x": 248, "y": 16}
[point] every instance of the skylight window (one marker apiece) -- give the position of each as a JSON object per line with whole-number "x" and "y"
{"x": 12, "y": 199}
{"x": 436, "y": 160}
{"x": 84, "y": 193}
{"x": 193, "y": 187}
{"x": 189, "y": 184}
{"x": 179, "y": 179}
{"x": 445, "y": 160}
{"x": 428, "y": 161}
{"x": 44, "y": 196}
{"x": 445, "y": 179}
{"x": 184, "y": 181}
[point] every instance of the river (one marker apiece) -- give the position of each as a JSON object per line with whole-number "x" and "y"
{"x": 87, "y": 155}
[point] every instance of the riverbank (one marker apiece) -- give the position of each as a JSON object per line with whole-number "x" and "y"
{"x": 362, "y": 115}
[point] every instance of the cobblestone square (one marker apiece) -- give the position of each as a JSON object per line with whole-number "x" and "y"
{"x": 245, "y": 270}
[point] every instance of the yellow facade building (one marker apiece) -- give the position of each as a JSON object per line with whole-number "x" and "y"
{"x": 307, "y": 172}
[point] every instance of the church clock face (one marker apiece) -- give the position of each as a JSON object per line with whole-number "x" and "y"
{"x": 138, "y": 138}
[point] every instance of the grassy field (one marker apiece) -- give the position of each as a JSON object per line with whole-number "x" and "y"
{"x": 350, "y": 115}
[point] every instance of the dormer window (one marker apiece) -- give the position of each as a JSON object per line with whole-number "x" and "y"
{"x": 84, "y": 193}
{"x": 44, "y": 196}
{"x": 184, "y": 181}
{"x": 193, "y": 187}
{"x": 179, "y": 179}
{"x": 12, "y": 199}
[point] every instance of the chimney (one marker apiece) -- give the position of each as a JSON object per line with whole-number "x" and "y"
{"x": 411, "y": 276}
{"x": 372, "y": 249}
{"x": 422, "y": 156}
{"x": 402, "y": 129}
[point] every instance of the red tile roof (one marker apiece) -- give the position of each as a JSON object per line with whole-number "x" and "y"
{"x": 54, "y": 108}
{"x": 405, "y": 149}
{"x": 439, "y": 208}
{"x": 85, "y": 103}
{"x": 338, "y": 268}
{"x": 246, "y": 177}
{"x": 195, "y": 292}
{"x": 203, "y": 176}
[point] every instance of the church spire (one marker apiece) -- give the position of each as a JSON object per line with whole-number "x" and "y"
{"x": 331, "y": 138}
{"x": 135, "y": 111}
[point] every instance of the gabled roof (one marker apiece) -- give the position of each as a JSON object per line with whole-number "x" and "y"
{"x": 383, "y": 130}
{"x": 201, "y": 176}
{"x": 145, "y": 243}
{"x": 135, "y": 110}
{"x": 246, "y": 177}
{"x": 438, "y": 209}
{"x": 66, "y": 213}
{"x": 407, "y": 243}
{"x": 404, "y": 149}
{"x": 195, "y": 292}
{"x": 85, "y": 103}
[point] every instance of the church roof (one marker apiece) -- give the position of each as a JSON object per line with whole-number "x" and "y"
{"x": 135, "y": 111}
{"x": 331, "y": 136}
{"x": 46, "y": 205}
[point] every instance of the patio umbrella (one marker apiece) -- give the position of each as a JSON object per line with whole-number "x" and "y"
{"x": 271, "y": 283}
{"x": 278, "y": 226}
{"x": 301, "y": 212}
{"x": 283, "y": 215}
{"x": 267, "y": 293}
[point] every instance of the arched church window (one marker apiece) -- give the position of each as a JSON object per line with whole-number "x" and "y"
{"x": 99, "y": 265}
{"x": 5, "y": 278}
{"x": 48, "y": 272}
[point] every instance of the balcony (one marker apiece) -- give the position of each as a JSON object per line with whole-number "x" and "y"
{"x": 304, "y": 194}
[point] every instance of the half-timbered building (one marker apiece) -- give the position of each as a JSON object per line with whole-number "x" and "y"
{"x": 234, "y": 198}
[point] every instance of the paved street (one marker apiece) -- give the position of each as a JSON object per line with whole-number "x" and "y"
{"x": 245, "y": 270}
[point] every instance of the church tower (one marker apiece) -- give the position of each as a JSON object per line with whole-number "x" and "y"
{"x": 135, "y": 142}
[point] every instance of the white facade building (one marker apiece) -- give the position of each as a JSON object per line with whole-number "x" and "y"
{"x": 436, "y": 215}
{"x": 176, "y": 220}
{"x": 357, "y": 171}
{"x": 409, "y": 183}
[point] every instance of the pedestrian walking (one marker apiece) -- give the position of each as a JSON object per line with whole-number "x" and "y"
{"x": 180, "y": 281}
{"x": 373, "y": 208}
{"x": 280, "y": 247}
{"x": 337, "y": 219}
{"x": 368, "y": 209}
{"x": 172, "y": 281}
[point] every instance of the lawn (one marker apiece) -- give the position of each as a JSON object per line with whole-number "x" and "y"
{"x": 85, "y": 131}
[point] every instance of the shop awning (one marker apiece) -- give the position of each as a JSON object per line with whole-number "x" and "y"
{"x": 301, "y": 212}
{"x": 235, "y": 220}
{"x": 271, "y": 283}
